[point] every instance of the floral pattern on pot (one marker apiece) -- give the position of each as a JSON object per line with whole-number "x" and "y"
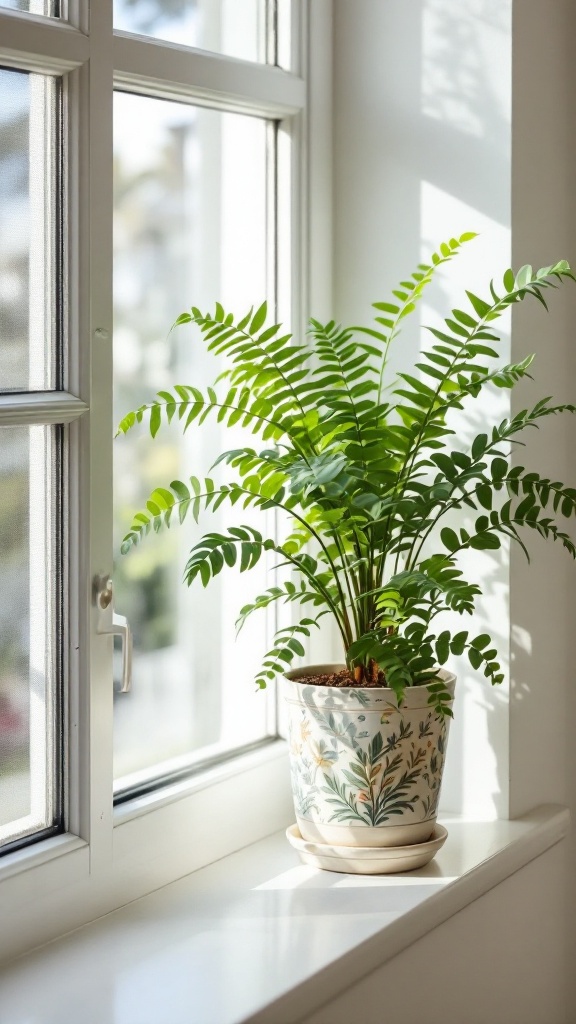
{"x": 358, "y": 759}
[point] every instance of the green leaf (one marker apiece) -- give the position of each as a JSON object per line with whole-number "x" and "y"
{"x": 498, "y": 469}
{"x": 509, "y": 280}
{"x": 480, "y": 307}
{"x": 259, "y": 318}
{"x": 449, "y": 539}
{"x": 523, "y": 276}
{"x": 363, "y": 465}
{"x": 443, "y": 647}
{"x": 386, "y": 307}
{"x": 485, "y": 542}
{"x": 184, "y": 318}
{"x": 484, "y": 495}
{"x": 155, "y": 420}
{"x": 474, "y": 657}
{"x": 458, "y": 642}
{"x": 479, "y": 446}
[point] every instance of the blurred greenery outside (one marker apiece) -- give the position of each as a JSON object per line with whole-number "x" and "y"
{"x": 153, "y": 254}
{"x": 147, "y": 219}
{"x": 190, "y": 226}
{"x": 14, "y": 467}
{"x": 236, "y": 28}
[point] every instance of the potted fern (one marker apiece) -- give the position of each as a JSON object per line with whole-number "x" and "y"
{"x": 366, "y": 469}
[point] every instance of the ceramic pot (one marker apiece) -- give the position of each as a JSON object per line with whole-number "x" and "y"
{"x": 365, "y": 772}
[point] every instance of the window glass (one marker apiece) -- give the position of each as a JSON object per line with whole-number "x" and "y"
{"x": 191, "y": 227}
{"x": 29, "y": 602}
{"x": 237, "y": 28}
{"x": 28, "y": 197}
{"x": 46, "y": 7}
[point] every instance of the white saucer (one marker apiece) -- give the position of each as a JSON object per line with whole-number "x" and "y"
{"x": 364, "y": 860}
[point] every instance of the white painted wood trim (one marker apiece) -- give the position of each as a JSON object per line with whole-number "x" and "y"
{"x": 535, "y": 833}
{"x": 150, "y": 67}
{"x": 43, "y": 901}
{"x": 41, "y": 853}
{"x": 35, "y": 43}
{"x": 40, "y": 407}
{"x": 281, "y": 921}
{"x": 170, "y": 794}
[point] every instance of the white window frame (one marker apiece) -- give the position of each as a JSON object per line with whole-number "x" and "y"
{"x": 106, "y": 858}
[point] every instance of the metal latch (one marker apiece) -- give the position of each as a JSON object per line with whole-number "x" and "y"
{"x": 108, "y": 622}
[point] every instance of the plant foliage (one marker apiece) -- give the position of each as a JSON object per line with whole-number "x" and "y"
{"x": 367, "y": 470}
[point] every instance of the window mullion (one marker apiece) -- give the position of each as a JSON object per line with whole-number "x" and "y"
{"x": 39, "y": 407}
{"x": 153, "y": 67}
{"x": 90, "y": 370}
{"x": 33, "y": 43}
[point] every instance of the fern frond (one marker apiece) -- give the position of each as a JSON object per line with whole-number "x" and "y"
{"x": 505, "y": 522}
{"x": 348, "y": 376}
{"x": 242, "y": 545}
{"x": 187, "y": 405}
{"x": 263, "y": 360}
{"x": 365, "y": 482}
{"x": 286, "y": 647}
{"x": 181, "y": 499}
{"x": 408, "y": 294}
{"x": 288, "y": 593}
{"x": 428, "y": 409}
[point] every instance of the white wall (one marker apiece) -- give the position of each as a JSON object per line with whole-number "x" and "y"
{"x": 543, "y": 595}
{"x": 422, "y": 152}
{"x": 452, "y": 115}
{"x": 499, "y": 961}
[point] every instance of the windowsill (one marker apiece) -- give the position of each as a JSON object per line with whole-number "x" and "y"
{"x": 259, "y": 937}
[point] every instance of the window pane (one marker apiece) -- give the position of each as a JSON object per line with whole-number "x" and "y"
{"x": 190, "y": 228}
{"x": 29, "y": 600}
{"x": 28, "y": 197}
{"x": 237, "y": 28}
{"x": 47, "y": 7}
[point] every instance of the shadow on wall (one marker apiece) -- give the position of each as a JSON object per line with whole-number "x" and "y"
{"x": 423, "y": 152}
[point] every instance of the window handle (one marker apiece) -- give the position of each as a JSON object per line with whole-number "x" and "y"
{"x": 109, "y": 623}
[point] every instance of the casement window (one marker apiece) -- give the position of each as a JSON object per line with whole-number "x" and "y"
{"x": 33, "y": 452}
{"x": 152, "y": 155}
